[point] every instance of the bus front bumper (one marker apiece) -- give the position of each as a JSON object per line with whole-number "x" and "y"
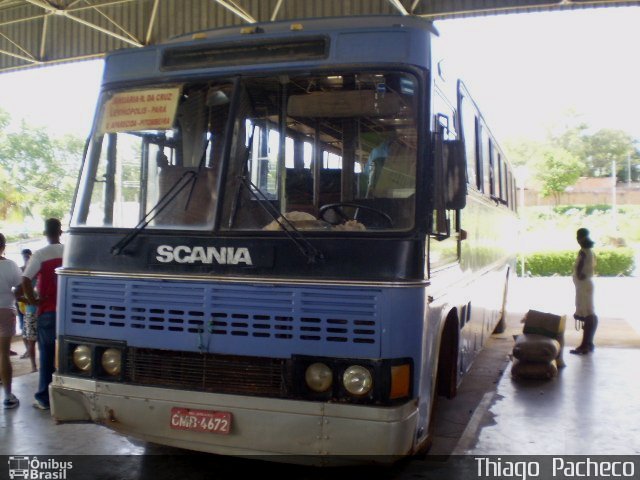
{"x": 259, "y": 426}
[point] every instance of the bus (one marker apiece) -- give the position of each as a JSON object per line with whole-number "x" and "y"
{"x": 287, "y": 239}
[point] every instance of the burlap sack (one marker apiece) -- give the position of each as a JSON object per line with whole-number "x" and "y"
{"x": 534, "y": 371}
{"x": 549, "y": 325}
{"x": 546, "y": 324}
{"x": 536, "y": 348}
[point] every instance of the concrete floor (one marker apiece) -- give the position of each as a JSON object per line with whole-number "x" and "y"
{"x": 591, "y": 407}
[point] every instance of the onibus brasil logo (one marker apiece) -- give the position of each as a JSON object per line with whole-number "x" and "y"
{"x": 33, "y": 468}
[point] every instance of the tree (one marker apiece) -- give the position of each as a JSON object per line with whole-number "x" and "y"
{"x": 68, "y": 154}
{"x": 595, "y": 151}
{"x": 10, "y": 198}
{"x": 522, "y": 151}
{"x": 41, "y": 169}
{"x": 606, "y": 146}
{"x": 556, "y": 169}
{"x": 5, "y": 119}
{"x": 570, "y": 134}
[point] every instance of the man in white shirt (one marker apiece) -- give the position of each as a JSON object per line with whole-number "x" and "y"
{"x": 43, "y": 264}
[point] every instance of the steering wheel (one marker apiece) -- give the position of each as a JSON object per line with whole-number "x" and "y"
{"x": 337, "y": 207}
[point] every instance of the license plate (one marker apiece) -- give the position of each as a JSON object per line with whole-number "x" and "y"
{"x": 200, "y": 420}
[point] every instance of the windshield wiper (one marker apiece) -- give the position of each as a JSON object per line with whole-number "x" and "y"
{"x": 245, "y": 169}
{"x": 200, "y": 166}
{"x": 304, "y": 246}
{"x": 180, "y": 184}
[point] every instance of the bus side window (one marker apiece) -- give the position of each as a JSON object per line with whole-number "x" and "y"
{"x": 492, "y": 169}
{"x": 478, "y": 154}
{"x": 486, "y": 161}
{"x": 444, "y": 251}
{"x": 503, "y": 181}
{"x": 499, "y": 182}
{"x": 514, "y": 196}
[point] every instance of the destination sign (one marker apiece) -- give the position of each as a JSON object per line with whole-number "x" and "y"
{"x": 135, "y": 110}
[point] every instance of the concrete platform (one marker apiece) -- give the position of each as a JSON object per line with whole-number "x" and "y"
{"x": 591, "y": 407}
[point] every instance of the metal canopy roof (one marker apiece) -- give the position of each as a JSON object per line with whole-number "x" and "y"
{"x": 42, "y": 32}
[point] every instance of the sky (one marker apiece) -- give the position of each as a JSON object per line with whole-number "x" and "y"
{"x": 62, "y": 98}
{"x": 525, "y": 71}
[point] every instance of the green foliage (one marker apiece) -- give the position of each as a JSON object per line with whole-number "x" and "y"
{"x": 546, "y": 264}
{"x": 585, "y": 209}
{"x": 37, "y": 171}
{"x": 557, "y": 169}
{"x": 10, "y": 198}
{"x": 570, "y": 136}
{"x": 5, "y": 119}
{"x": 610, "y": 262}
{"x": 604, "y": 147}
{"x": 613, "y": 262}
{"x": 522, "y": 151}
{"x": 595, "y": 150}
{"x": 554, "y": 228}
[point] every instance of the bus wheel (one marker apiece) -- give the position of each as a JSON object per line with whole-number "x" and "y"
{"x": 446, "y": 377}
{"x": 447, "y": 373}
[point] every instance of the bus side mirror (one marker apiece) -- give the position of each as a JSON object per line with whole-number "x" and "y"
{"x": 455, "y": 175}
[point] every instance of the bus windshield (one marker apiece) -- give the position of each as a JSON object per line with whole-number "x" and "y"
{"x": 312, "y": 152}
{"x": 173, "y": 168}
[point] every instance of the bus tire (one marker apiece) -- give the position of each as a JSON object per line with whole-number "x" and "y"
{"x": 447, "y": 373}
{"x": 446, "y": 377}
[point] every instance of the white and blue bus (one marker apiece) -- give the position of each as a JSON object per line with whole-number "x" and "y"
{"x": 288, "y": 238}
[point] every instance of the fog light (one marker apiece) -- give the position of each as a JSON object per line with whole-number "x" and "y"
{"x": 112, "y": 361}
{"x": 357, "y": 380}
{"x": 319, "y": 377}
{"x": 82, "y": 358}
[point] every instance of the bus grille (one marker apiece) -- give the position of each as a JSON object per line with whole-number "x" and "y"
{"x": 206, "y": 372}
{"x": 252, "y": 320}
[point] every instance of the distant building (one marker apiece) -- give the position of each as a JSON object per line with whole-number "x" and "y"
{"x": 586, "y": 191}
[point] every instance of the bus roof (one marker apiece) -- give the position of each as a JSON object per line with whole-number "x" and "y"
{"x": 316, "y": 25}
{"x": 322, "y": 42}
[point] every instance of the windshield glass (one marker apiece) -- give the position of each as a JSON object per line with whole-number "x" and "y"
{"x": 311, "y": 152}
{"x": 158, "y": 150}
{"x": 327, "y": 152}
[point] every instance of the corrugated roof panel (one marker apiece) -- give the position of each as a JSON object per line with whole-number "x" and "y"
{"x": 68, "y": 39}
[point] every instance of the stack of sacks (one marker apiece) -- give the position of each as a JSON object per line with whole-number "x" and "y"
{"x": 538, "y": 352}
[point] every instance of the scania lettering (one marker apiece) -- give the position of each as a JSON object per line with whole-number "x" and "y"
{"x": 222, "y": 256}
{"x": 303, "y": 231}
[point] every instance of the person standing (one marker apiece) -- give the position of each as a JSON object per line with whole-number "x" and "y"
{"x": 42, "y": 265}
{"x": 30, "y": 333}
{"x": 583, "y": 271}
{"x": 28, "y": 338}
{"x": 9, "y": 278}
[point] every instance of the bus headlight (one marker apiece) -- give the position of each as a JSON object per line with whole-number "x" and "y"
{"x": 112, "y": 361}
{"x": 357, "y": 380}
{"x": 82, "y": 358}
{"x": 319, "y": 377}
